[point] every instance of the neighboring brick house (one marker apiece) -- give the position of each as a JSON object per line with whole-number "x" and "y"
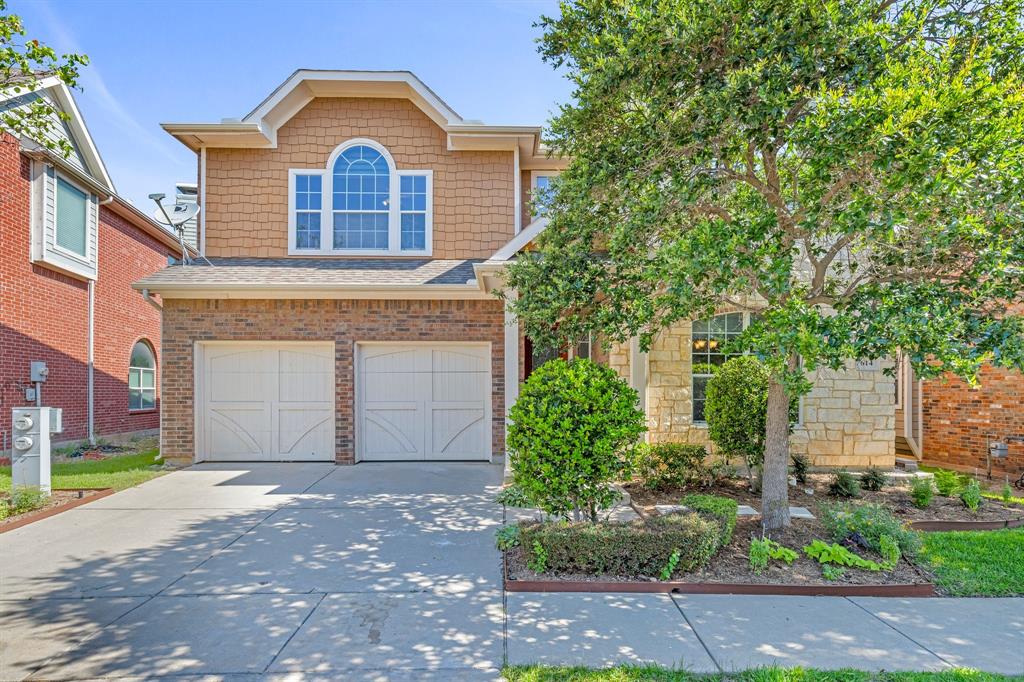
{"x": 69, "y": 250}
{"x": 357, "y": 228}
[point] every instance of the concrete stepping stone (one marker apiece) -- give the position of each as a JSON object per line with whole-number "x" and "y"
{"x": 743, "y": 510}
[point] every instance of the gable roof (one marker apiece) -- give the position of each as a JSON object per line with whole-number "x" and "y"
{"x": 258, "y": 128}
{"x": 87, "y": 157}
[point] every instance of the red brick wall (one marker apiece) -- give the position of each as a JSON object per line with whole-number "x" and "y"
{"x": 343, "y": 321}
{"x": 958, "y": 419}
{"x": 44, "y": 314}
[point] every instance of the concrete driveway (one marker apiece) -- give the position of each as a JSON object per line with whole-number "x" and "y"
{"x": 366, "y": 572}
{"x": 389, "y": 572}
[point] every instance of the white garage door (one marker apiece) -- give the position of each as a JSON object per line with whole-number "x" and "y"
{"x": 419, "y": 401}
{"x": 265, "y": 401}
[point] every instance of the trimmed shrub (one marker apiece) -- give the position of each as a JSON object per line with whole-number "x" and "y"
{"x": 873, "y": 479}
{"x": 868, "y": 523}
{"x": 722, "y": 509}
{"x": 670, "y": 465}
{"x": 921, "y": 492}
{"x": 643, "y": 547}
{"x": 735, "y": 407}
{"x": 571, "y": 434}
{"x": 844, "y": 485}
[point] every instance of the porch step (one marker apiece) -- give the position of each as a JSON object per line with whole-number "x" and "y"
{"x": 903, "y": 448}
{"x": 906, "y": 463}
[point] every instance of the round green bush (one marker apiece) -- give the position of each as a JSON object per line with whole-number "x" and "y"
{"x": 735, "y": 407}
{"x": 571, "y": 434}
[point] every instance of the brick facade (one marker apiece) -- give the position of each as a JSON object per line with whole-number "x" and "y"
{"x": 44, "y": 315}
{"x": 247, "y": 189}
{"x": 345, "y": 322}
{"x": 959, "y": 420}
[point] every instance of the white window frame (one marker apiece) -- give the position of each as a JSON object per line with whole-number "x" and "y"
{"x": 63, "y": 250}
{"x": 142, "y": 389}
{"x": 571, "y": 352}
{"x": 534, "y": 175}
{"x": 327, "y": 207}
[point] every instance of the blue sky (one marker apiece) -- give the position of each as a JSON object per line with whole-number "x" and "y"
{"x": 187, "y": 61}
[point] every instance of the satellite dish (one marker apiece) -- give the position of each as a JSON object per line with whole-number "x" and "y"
{"x": 177, "y": 215}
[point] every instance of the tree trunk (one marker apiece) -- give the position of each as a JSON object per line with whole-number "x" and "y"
{"x": 775, "y": 473}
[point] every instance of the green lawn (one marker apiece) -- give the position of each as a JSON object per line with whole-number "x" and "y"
{"x": 114, "y": 472}
{"x": 655, "y": 674}
{"x": 978, "y": 563}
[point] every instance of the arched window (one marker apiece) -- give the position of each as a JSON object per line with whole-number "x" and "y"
{"x": 142, "y": 377}
{"x": 708, "y": 337}
{"x": 361, "y": 203}
{"x": 362, "y": 198}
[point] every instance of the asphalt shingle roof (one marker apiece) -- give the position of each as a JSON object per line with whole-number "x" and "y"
{"x": 351, "y": 272}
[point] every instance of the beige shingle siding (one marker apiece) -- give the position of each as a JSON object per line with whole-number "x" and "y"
{"x": 247, "y": 189}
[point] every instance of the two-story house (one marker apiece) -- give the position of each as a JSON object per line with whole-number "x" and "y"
{"x": 70, "y": 248}
{"x": 356, "y": 228}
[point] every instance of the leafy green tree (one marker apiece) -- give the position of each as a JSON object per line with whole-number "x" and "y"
{"x": 735, "y": 408}
{"x": 23, "y": 64}
{"x": 850, "y": 170}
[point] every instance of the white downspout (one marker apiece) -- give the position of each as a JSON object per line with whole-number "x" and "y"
{"x": 517, "y": 188}
{"x": 511, "y": 370}
{"x": 91, "y": 353}
{"x": 202, "y": 201}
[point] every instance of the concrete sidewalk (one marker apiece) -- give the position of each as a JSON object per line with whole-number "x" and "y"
{"x": 389, "y": 572}
{"x": 712, "y": 633}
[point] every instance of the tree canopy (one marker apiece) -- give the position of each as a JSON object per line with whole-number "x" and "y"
{"x": 24, "y": 63}
{"x": 851, "y": 170}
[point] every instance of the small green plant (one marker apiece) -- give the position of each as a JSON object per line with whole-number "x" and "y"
{"x": 507, "y": 537}
{"x": 763, "y": 550}
{"x": 513, "y": 496}
{"x": 921, "y": 492}
{"x": 890, "y": 551}
{"x": 670, "y": 566}
{"x": 1007, "y": 494}
{"x": 873, "y": 479}
{"x": 538, "y": 561}
{"x": 831, "y": 572}
{"x": 26, "y": 499}
{"x": 801, "y": 465}
{"x": 947, "y": 482}
{"x": 759, "y": 555}
{"x": 661, "y": 466}
{"x": 837, "y": 554}
{"x": 869, "y": 522}
{"x": 844, "y": 485}
{"x": 722, "y": 509}
{"x": 971, "y": 495}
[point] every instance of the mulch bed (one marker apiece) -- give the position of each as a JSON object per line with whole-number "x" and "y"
{"x": 894, "y": 497}
{"x": 731, "y": 564}
{"x": 59, "y": 501}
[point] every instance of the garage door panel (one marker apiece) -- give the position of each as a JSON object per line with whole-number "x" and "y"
{"x": 266, "y": 401}
{"x": 305, "y": 431}
{"x": 460, "y": 360}
{"x": 239, "y": 431}
{"x": 461, "y": 386}
{"x": 392, "y": 433}
{"x": 423, "y": 402}
{"x": 458, "y": 433}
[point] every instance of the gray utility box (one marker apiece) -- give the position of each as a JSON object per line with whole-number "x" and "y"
{"x": 30, "y": 458}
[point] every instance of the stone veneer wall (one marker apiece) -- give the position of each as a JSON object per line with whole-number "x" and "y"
{"x": 848, "y": 419}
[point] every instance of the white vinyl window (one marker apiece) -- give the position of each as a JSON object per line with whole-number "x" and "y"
{"x": 360, "y": 204}
{"x": 64, "y": 220}
{"x": 540, "y": 186}
{"x": 707, "y": 339}
{"x": 142, "y": 377}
